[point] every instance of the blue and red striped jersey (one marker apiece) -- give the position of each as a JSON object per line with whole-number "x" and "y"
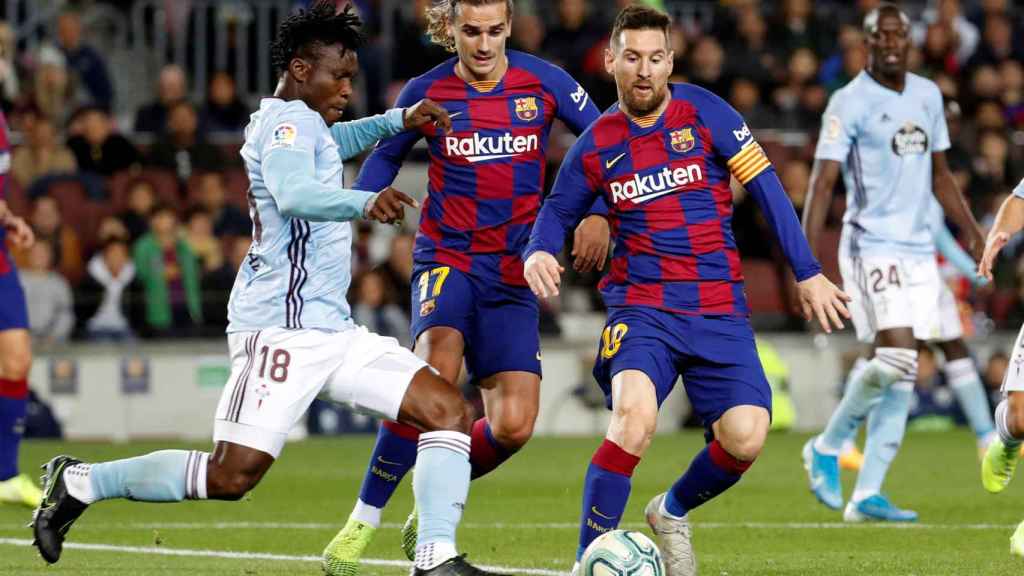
{"x": 666, "y": 181}
{"x": 5, "y": 167}
{"x": 486, "y": 176}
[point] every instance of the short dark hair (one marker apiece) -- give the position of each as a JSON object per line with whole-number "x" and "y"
{"x": 307, "y": 30}
{"x": 640, "y": 17}
{"x": 885, "y": 8}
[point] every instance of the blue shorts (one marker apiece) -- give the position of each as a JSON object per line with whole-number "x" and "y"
{"x": 715, "y": 355}
{"x": 13, "y": 310}
{"x": 499, "y": 322}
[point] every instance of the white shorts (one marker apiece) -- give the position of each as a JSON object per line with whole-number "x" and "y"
{"x": 277, "y": 373}
{"x": 1013, "y": 381}
{"x": 892, "y": 293}
{"x": 951, "y": 327}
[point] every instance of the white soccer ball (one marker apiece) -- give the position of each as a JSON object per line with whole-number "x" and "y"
{"x": 622, "y": 553}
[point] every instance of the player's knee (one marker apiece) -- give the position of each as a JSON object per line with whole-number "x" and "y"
{"x": 448, "y": 412}
{"x": 15, "y": 363}
{"x": 743, "y": 439}
{"x": 633, "y": 428}
{"x": 223, "y": 484}
{"x": 513, "y": 432}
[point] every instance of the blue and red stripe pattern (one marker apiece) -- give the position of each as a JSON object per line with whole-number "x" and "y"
{"x": 486, "y": 176}
{"x": 5, "y": 168}
{"x": 667, "y": 185}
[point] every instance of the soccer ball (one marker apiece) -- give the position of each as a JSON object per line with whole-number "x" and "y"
{"x": 622, "y": 553}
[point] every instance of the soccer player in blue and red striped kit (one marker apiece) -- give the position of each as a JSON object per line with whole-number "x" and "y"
{"x": 469, "y": 299}
{"x": 662, "y": 158}
{"x": 15, "y": 348}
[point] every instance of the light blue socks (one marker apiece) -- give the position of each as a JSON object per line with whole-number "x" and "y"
{"x": 164, "y": 476}
{"x": 440, "y": 484}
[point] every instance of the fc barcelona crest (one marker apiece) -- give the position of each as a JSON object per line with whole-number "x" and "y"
{"x": 526, "y": 108}
{"x": 683, "y": 140}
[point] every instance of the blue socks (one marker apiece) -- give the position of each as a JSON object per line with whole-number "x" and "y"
{"x": 886, "y": 426}
{"x": 970, "y": 394}
{"x": 712, "y": 472}
{"x": 164, "y": 476}
{"x": 393, "y": 456}
{"x": 605, "y": 492}
{"x": 12, "y": 426}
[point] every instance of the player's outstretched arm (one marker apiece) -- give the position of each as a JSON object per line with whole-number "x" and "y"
{"x": 824, "y": 174}
{"x": 543, "y": 273}
{"x": 357, "y": 135}
{"x": 1009, "y": 221}
{"x": 952, "y": 252}
{"x": 954, "y": 204}
{"x": 290, "y": 176}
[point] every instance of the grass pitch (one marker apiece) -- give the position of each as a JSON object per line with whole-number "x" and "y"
{"x": 523, "y": 517}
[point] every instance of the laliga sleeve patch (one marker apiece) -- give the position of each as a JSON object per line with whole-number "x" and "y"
{"x": 284, "y": 135}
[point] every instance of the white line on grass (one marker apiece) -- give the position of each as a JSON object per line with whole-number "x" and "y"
{"x": 251, "y": 555}
{"x": 521, "y": 526}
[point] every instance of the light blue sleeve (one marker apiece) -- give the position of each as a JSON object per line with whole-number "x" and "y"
{"x": 951, "y": 250}
{"x": 1019, "y": 190}
{"x": 288, "y": 163}
{"x": 358, "y": 135}
{"x": 838, "y": 128}
{"x": 940, "y": 130}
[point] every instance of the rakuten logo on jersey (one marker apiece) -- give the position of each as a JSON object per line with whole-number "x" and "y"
{"x": 477, "y": 148}
{"x": 644, "y": 188}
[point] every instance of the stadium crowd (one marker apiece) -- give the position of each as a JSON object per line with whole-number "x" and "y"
{"x": 142, "y": 217}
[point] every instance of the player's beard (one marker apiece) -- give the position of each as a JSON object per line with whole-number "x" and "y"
{"x": 642, "y": 107}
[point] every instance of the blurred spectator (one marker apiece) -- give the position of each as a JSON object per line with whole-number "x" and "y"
{"x": 411, "y": 38}
{"x": 751, "y": 39}
{"x": 795, "y": 176}
{"x": 398, "y": 268}
{"x": 98, "y": 148}
{"x": 10, "y": 86}
{"x": 939, "y": 51}
{"x": 50, "y": 314}
{"x": 103, "y": 299}
{"x": 798, "y": 101}
{"x": 527, "y": 32}
{"x": 947, "y": 14}
{"x": 52, "y": 89}
{"x": 171, "y": 88}
{"x": 217, "y": 285}
{"x": 199, "y": 235}
{"x": 707, "y": 65}
{"x": 844, "y": 65}
{"x": 41, "y": 154}
{"x": 84, "y": 61}
{"x": 573, "y": 36}
{"x": 1012, "y": 74}
{"x": 141, "y": 201}
{"x": 997, "y": 45}
{"x": 228, "y": 220}
{"x": 169, "y": 278}
{"x": 48, "y": 224}
{"x": 796, "y": 26}
{"x": 374, "y": 307}
{"x": 224, "y": 111}
{"x": 745, "y": 97}
{"x": 110, "y": 228}
{"x": 993, "y": 375}
{"x": 182, "y": 148}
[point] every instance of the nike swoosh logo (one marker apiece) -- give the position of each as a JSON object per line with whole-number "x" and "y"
{"x": 454, "y": 114}
{"x": 388, "y": 462}
{"x": 609, "y": 163}
{"x": 594, "y": 510}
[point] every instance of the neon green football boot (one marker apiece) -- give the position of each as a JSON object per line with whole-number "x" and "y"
{"x": 20, "y": 490}
{"x": 341, "y": 557}
{"x": 1017, "y": 541}
{"x": 410, "y": 530}
{"x": 998, "y": 465}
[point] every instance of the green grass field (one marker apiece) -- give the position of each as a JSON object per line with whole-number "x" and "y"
{"x": 524, "y": 516}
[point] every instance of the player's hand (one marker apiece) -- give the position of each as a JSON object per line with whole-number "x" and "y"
{"x": 19, "y": 231}
{"x": 427, "y": 111}
{"x": 543, "y": 273}
{"x": 976, "y": 244}
{"x": 821, "y": 299}
{"x": 996, "y": 240}
{"x": 388, "y": 206}
{"x": 590, "y": 244}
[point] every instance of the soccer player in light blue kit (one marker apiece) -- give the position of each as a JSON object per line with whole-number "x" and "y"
{"x": 886, "y": 132}
{"x": 291, "y": 335}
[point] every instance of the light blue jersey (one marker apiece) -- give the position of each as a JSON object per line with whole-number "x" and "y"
{"x": 885, "y": 140}
{"x": 299, "y": 265}
{"x": 1019, "y": 190}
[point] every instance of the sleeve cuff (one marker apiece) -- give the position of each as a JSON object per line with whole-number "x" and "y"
{"x": 395, "y": 120}
{"x": 371, "y": 197}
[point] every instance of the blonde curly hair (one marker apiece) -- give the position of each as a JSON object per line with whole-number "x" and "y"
{"x": 443, "y": 12}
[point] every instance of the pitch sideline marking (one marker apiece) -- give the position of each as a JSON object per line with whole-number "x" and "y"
{"x": 525, "y": 526}
{"x": 252, "y": 555}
